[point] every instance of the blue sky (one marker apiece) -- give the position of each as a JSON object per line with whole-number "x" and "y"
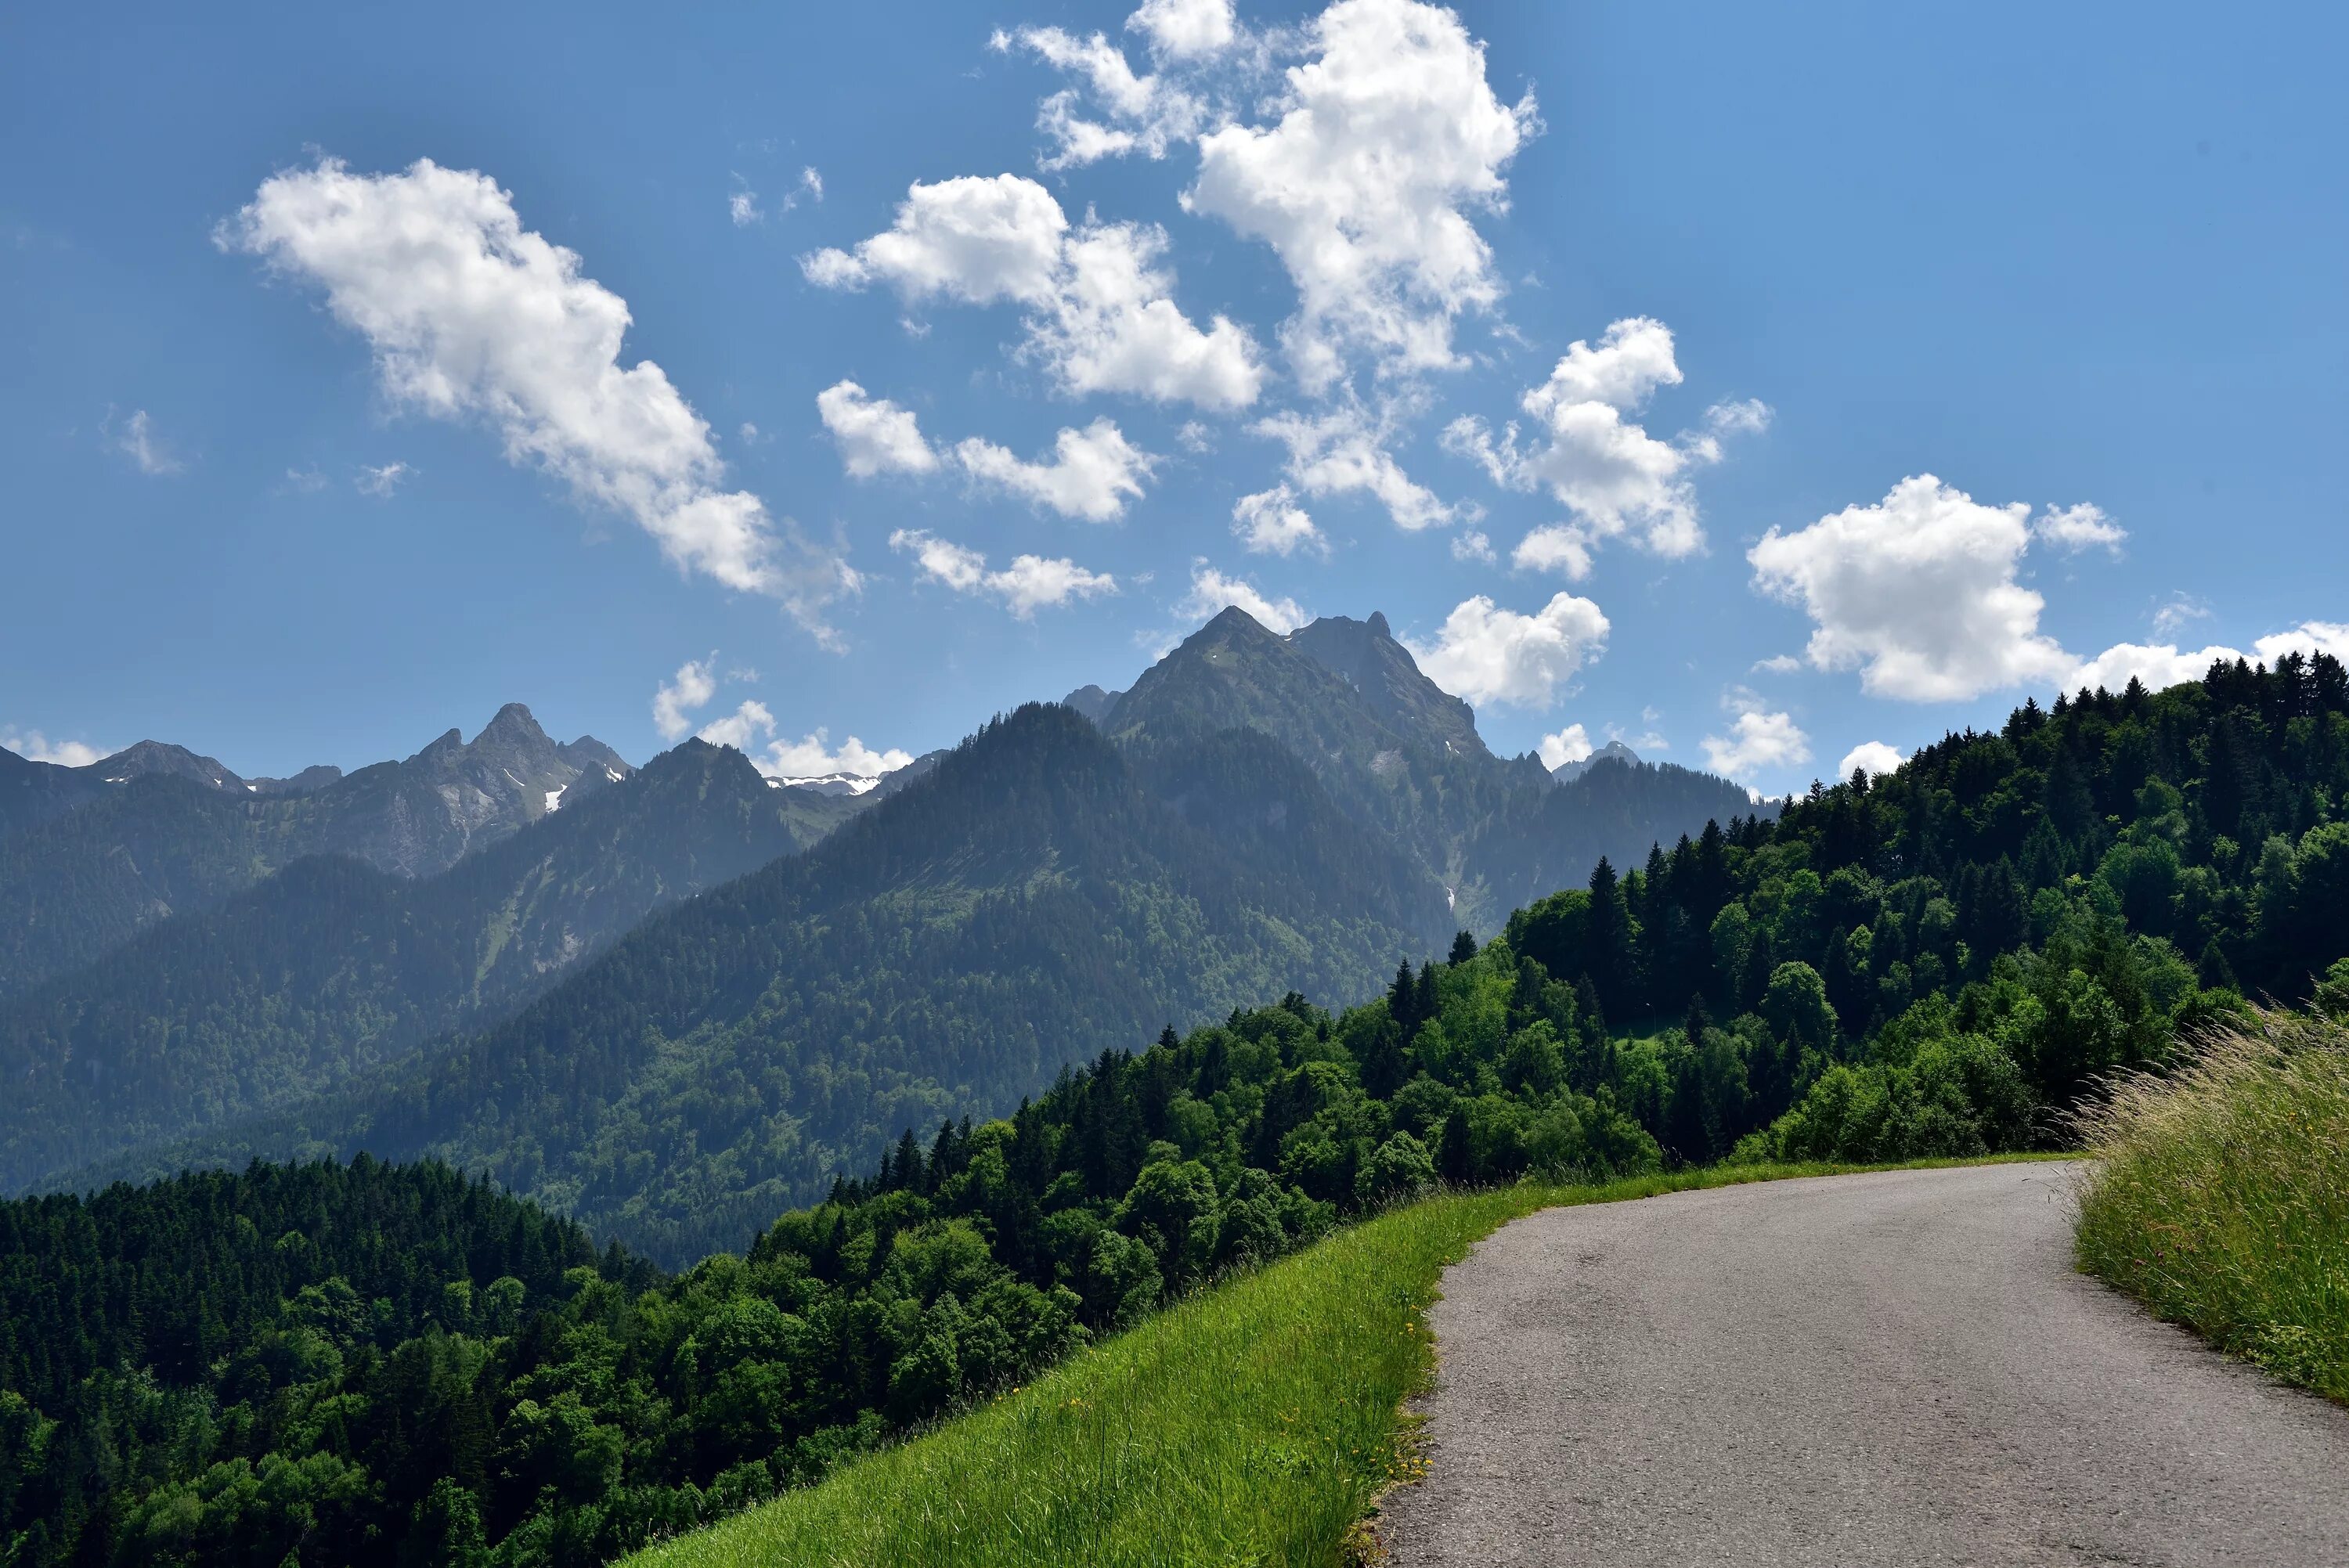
{"x": 314, "y": 453}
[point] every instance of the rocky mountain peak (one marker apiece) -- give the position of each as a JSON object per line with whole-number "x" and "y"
{"x": 1613, "y": 751}
{"x": 1365, "y": 655}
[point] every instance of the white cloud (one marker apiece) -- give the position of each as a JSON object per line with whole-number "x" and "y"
{"x": 793, "y": 761}
{"x": 2308, "y": 637}
{"x": 1099, "y": 312}
{"x": 306, "y": 481}
{"x": 1212, "y": 593}
{"x": 1603, "y": 466}
{"x": 1778, "y": 665}
{"x": 2158, "y": 665}
{"x": 1571, "y": 744}
{"x": 1486, "y": 654}
{"x": 691, "y": 688}
{"x": 1749, "y": 416}
{"x": 1758, "y": 742}
{"x": 1030, "y": 582}
{"x": 137, "y": 441}
{"x": 743, "y": 206}
{"x": 812, "y": 757}
{"x": 811, "y": 184}
{"x": 1344, "y": 452}
{"x": 2078, "y": 528}
{"x": 2182, "y": 610}
{"x": 1091, "y": 475}
{"x": 971, "y": 239}
{"x": 1112, "y": 327}
{"x": 740, "y": 729}
{"x": 380, "y": 480}
{"x": 1918, "y": 592}
{"x": 1874, "y": 756}
{"x": 34, "y": 746}
{"x": 874, "y": 436}
{"x": 1185, "y": 29}
{"x": 1271, "y": 523}
{"x": 1473, "y": 546}
{"x": 1560, "y": 547}
{"x": 1387, "y": 138}
{"x": 471, "y": 315}
{"x": 1145, "y": 114}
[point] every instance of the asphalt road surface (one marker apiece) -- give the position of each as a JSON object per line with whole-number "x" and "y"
{"x": 1898, "y": 1368}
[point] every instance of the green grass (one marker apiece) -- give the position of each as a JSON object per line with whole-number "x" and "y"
{"x": 2221, "y": 1198}
{"x": 1250, "y": 1424}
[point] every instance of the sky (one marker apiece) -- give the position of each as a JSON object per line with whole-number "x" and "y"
{"x": 1772, "y": 390}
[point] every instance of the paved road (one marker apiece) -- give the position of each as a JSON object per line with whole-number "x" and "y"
{"x": 1900, "y": 1368}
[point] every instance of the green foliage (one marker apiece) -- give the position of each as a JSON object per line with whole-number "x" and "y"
{"x": 2220, "y": 1194}
{"x": 381, "y": 1363}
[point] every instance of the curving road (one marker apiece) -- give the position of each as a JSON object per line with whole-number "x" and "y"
{"x": 1900, "y": 1368}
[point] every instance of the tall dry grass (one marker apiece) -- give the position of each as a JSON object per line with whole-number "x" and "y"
{"x": 2220, "y": 1195}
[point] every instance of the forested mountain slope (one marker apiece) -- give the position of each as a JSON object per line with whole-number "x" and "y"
{"x": 1038, "y": 898}
{"x": 332, "y": 967}
{"x": 1613, "y": 810}
{"x": 1931, "y": 962}
{"x": 90, "y": 855}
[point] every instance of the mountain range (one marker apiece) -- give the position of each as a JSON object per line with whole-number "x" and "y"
{"x": 673, "y": 1003}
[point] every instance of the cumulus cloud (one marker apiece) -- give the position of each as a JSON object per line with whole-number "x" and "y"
{"x": 740, "y": 729}
{"x": 471, "y": 315}
{"x": 874, "y": 436}
{"x": 1560, "y": 547}
{"x": 1136, "y": 113}
{"x": 677, "y": 697}
{"x": 1185, "y": 29}
{"x": 2078, "y": 528}
{"x": 1778, "y": 665}
{"x": 788, "y": 761}
{"x": 1029, "y": 584}
{"x": 2158, "y": 665}
{"x": 137, "y": 441}
{"x": 1486, "y": 654}
{"x": 1759, "y": 743}
{"x": 1344, "y": 452}
{"x": 1099, "y": 316}
{"x": 1212, "y": 593}
{"x": 743, "y": 206}
{"x": 1091, "y": 472}
{"x": 814, "y": 757}
{"x": 2307, "y": 638}
{"x": 1603, "y": 466}
{"x": 1271, "y": 523}
{"x": 1385, "y": 141}
{"x": 1871, "y": 756}
{"x": 1571, "y": 744}
{"x": 34, "y": 746}
{"x": 1473, "y": 545}
{"x": 380, "y": 480}
{"x": 1919, "y": 592}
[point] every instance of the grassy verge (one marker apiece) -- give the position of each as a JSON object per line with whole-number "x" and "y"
{"x": 1250, "y": 1424}
{"x": 2221, "y": 1198}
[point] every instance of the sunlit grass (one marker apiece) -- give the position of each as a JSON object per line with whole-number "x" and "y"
{"x": 2221, "y": 1198}
{"x": 1250, "y": 1424}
